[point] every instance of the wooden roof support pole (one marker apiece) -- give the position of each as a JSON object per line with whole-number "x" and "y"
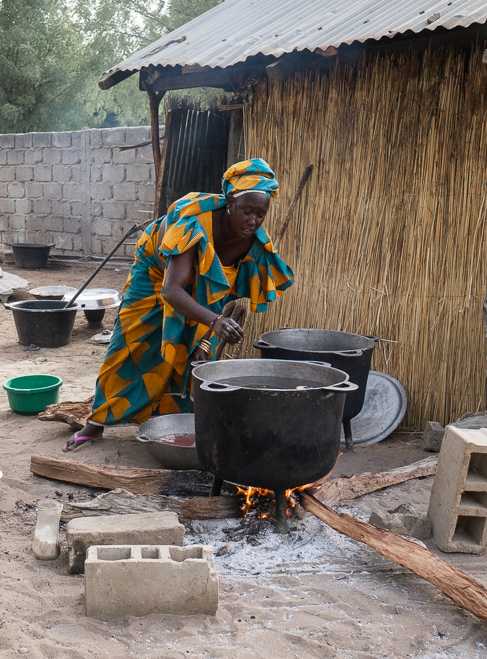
{"x": 155, "y": 99}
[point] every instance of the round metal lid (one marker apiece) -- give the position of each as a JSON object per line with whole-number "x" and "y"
{"x": 383, "y": 410}
{"x": 96, "y": 298}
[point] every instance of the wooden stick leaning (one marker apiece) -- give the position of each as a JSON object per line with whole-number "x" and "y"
{"x": 291, "y": 208}
{"x": 463, "y": 589}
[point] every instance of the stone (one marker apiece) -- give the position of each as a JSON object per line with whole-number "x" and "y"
{"x": 140, "y": 580}
{"x": 458, "y": 504}
{"x": 43, "y": 173}
{"x": 432, "y": 436}
{"x": 41, "y": 139}
{"x": 15, "y": 157}
{"x": 145, "y": 528}
{"x": 23, "y": 140}
{"x": 61, "y": 139}
{"x": 434, "y": 432}
{"x": 404, "y": 520}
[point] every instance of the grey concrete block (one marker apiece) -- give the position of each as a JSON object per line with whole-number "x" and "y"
{"x": 76, "y": 174}
{"x": 458, "y": 503}
{"x": 95, "y": 174}
{"x": 6, "y": 206}
{"x": 404, "y": 520}
{"x": 7, "y": 141}
{"x": 42, "y": 206}
{"x": 76, "y": 138}
{"x": 137, "y": 173}
{"x": 71, "y": 226}
{"x": 145, "y": 193}
{"x": 136, "y": 134}
{"x": 77, "y": 209}
{"x": 77, "y": 243}
{"x": 7, "y": 174}
{"x": 73, "y": 191}
{"x": 23, "y": 140}
{"x": 3, "y": 190}
{"x": 52, "y": 190}
{"x": 101, "y": 227}
{"x": 101, "y": 191}
{"x": 61, "y": 207}
{"x": 16, "y": 190}
{"x": 33, "y": 190}
{"x": 62, "y": 173}
{"x": 15, "y": 157}
{"x": 63, "y": 241}
{"x": 70, "y": 156}
{"x": 43, "y": 173}
{"x": 23, "y": 206}
{"x": 17, "y": 222}
{"x": 94, "y": 137}
{"x": 114, "y": 210}
{"x": 113, "y": 136}
{"x": 432, "y": 436}
{"x": 124, "y": 191}
{"x": 101, "y": 156}
{"x": 113, "y": 173}
{"x": 3, "y": 156}
{"x": 41, "y": 139}
{"x": 140, "y": 529}
{"x": 51, "y": 156}
{"x": 144, "y": 580}
{"x": 24, "y": 173}
{"x": 33, "y": 156}
{"x": 61, "y": 139}
{"x": 123, "y": 157}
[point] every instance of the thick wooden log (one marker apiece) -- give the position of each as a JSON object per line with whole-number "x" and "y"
{"x": 122, "y": 502}
{"x": 138, "y": 481}
{"x": 335, "y": 491}
{"x": 463, "y": 589}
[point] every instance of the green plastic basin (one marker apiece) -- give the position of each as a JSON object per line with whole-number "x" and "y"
{"x": 31, "y": 394}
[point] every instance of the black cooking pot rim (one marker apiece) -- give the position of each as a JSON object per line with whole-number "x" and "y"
{"x": 265, "y": 338}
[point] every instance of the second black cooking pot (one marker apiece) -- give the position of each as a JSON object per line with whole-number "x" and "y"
{"x": 347, "y": 352}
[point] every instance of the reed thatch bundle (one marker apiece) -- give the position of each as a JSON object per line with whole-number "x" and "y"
{"x": 389, "y": 236}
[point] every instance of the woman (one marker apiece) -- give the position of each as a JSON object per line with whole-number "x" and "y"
{"x": 208, "y": 250}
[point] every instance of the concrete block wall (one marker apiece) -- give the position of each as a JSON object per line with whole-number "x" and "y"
{"x": 77, "y": 190}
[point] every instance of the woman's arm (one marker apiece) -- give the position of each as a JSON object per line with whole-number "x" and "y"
{"x": 177, "y": 275}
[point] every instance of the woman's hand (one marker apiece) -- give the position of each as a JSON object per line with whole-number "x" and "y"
{"x": 199, "y": 355}
{"x": 229, "y": 330}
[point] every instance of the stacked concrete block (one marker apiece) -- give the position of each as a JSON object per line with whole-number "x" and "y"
{"x": 62, "y": 187}
{"x": 142, "y": 580}
{"x": 146, "y": 528}
{"x": 458, "y": 504}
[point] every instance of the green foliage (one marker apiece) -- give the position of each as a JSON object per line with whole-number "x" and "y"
{"x": 53, "y": 52}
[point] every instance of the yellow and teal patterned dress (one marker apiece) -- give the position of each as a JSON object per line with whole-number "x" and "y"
{"x": 147, "y": 367}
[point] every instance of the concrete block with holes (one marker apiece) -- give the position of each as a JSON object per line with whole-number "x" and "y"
{"x": 140, "y": 580}
{"x": 140, "y": 529}
{"x": 458, "y": 503}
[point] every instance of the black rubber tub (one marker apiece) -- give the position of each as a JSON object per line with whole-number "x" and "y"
{"x": 347, "y": 352}
{"x": 45, "y": 323}
{"x": 31, "y": 256}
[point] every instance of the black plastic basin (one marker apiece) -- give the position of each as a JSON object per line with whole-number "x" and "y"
{"x": 31, "y": 256}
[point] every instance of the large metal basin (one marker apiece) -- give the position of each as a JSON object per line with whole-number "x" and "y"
{"x": 158, "y": 428}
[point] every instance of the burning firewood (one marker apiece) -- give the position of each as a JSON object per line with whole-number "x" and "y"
{"x": 463, "y": 589}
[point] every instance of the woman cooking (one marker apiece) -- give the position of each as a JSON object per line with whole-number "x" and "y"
{"x": 208, "y": 250}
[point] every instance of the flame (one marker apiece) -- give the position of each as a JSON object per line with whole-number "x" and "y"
{"x": 252, "y": 494}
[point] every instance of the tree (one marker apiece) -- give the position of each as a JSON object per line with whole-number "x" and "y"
{"x": 53, "y": 52}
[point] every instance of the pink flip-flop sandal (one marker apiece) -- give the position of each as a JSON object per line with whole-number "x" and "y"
{"x": 76, "y": 441}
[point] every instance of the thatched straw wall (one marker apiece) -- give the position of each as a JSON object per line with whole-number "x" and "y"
{"x": 389, "y": 238}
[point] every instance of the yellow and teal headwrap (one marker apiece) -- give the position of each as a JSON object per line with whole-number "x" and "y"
{"x": 253, "y": 175}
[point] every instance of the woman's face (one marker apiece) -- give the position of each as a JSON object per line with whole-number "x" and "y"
{"x": 247, "y": 213}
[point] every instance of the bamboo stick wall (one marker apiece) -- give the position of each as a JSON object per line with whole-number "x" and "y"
{"x": 389, "y": 237}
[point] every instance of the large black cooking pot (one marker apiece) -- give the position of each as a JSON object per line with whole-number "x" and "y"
{"x": 351, "y": 353}
{"x": 268, "y": 423}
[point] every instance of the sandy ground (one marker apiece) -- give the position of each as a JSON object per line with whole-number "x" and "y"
{"x": 310, "y": 594}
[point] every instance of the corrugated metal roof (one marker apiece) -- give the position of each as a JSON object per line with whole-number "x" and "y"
{"x": 237, "y": 29}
